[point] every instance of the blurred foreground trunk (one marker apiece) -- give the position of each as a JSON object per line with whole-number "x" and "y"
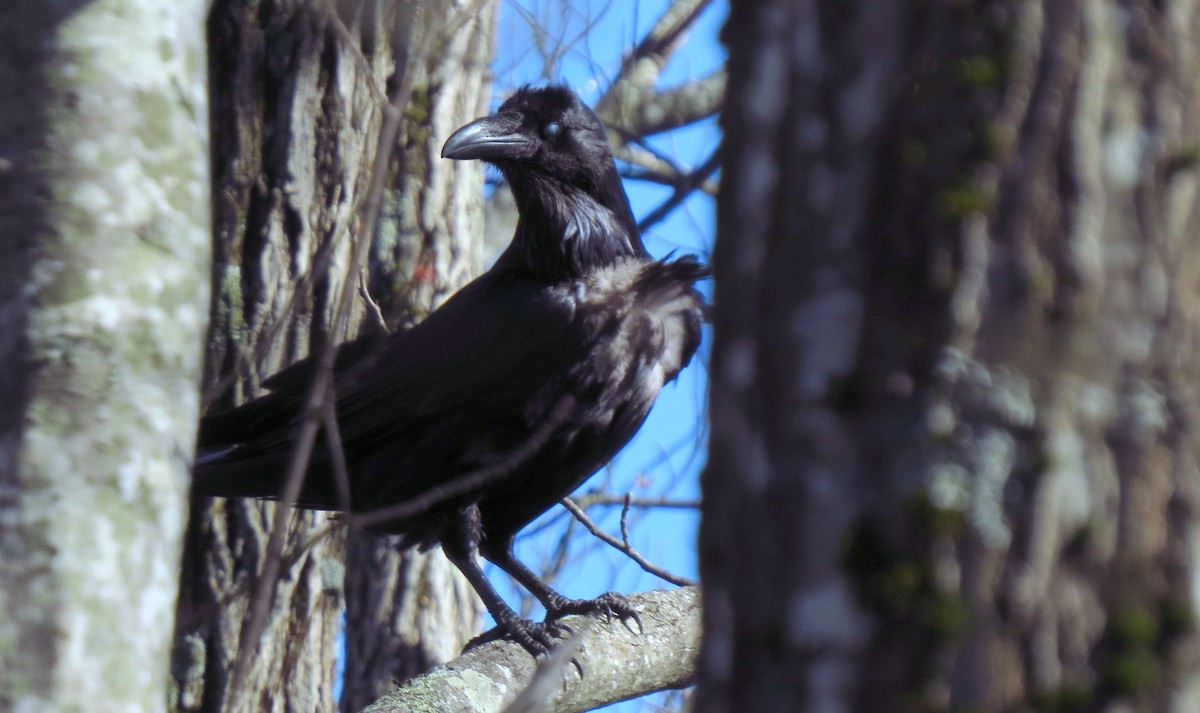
{"x": 104, "y": 239}
{"x": 956, "y": 400}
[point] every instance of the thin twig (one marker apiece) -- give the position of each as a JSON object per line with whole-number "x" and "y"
{"x": 686, "y": 186}
{"x": 609, "y": 499}
{"x": 265, "y": 334}
{"x": 319, "y": 406}
{"x": 289, "y": 560}
{"x": 661, "y": 156}
{"x": 476, "y": 478}
{"x": 264, "y": 586}
{"x": 640, "y": 69}
{"x": 624, "y": 547}
{"x": 333, "y": 443}
{"x": 374, "y": 84}
{"x": 372, "y": 306}
{"x": 669, "y": 28}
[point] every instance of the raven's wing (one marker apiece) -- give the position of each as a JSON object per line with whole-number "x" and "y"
{"x": 471, "y": 384}
{"x": 467, "y": 382}
{"x": 496, "y": 344}
{"x": 287, "y": 390}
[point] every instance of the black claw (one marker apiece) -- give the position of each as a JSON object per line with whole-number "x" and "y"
{"x": 538, "y": 638}
{"x": 606, "y": 605}
{"x": 637, "y": 620}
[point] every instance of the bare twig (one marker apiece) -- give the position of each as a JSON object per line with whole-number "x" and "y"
{"x": 264, "y": 586}
{"x": 374, "y": 84}
{"x": 452, "y": 489}
{"x": 664, "y": 37}
{"x": 609, "y": 499}
{"x": 625, "y": 547}
{"x": 476, "y": 478}
{"x": 372, "y": 306}
{"x": 333, "y": 441}
{"x": 662, "y": 157}
{"x": 641, "y": 68}
{"x": 535, "y": 698}
{"x": 265, "y": 333}
{"x": 652, "y": 168}
{"x": 288, "y": 560}
{"x": 686, "y": 186}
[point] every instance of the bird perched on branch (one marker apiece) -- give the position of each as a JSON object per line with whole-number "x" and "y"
{"x": 463, "y": 429}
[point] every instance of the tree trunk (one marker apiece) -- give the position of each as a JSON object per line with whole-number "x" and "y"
{"x": 103, "y": 293}
{"x": 954, "y": 390}
{"x": 298, "y": 105}
{"x": 407, "y": 611}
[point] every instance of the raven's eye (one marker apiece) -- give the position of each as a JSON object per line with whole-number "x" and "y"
{"x": 551, "y": 130}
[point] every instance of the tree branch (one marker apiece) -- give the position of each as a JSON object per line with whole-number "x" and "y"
{"x": 604, "y": 498}
{"x": 688, "y": 183}
{"x": 679, "y": 106}
{"x": 641, "y": 68}
{"x": 623, "y": 544}
{"x": 617, "y": 663}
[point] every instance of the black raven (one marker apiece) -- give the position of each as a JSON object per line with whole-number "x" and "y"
{"x": 517, "y": 389}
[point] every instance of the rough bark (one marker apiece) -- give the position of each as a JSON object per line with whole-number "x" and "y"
{"x": 103, "y": 301}
{"x": 298, "y": 103}
{"x": 406, "y": 610}
{"x": 617, "y": 662}
{"x": 292, "y": 116}
{"x": 954, "y": 384}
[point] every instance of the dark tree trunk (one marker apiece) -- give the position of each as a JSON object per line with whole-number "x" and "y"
{"x": 954, "y": 388}
{"x": 298, "y": 105}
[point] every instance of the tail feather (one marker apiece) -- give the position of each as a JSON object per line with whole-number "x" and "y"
{"x": 221, "y": 473}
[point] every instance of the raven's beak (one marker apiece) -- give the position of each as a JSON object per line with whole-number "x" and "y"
{"x": 493, "y": 138}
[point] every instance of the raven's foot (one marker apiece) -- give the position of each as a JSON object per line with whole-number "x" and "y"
{"x": 606, "y": 605}
{"x": 535, "y": 637}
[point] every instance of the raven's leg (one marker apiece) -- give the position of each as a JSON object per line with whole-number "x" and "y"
{"x": 461, "y": 545}
{"x": 499, "y": 551}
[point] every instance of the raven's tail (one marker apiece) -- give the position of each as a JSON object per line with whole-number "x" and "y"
{"x": 221, "y": 473}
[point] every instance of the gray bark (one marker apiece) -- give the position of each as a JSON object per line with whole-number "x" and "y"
{"x": 953, "y": 383}
{"x": 405, "y": 610}
{"x": 294, "y": 109}
{"x": 299, "y": 101}
{"x": 103, "y": 303}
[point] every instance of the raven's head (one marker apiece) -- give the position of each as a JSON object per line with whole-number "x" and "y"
{"x": 547, "y": 131}
{"x": 554, "y": 153}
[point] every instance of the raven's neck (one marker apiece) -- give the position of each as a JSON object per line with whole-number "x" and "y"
{"x": 564, "y": 231}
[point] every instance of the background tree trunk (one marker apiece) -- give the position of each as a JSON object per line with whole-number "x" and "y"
{"x": 105, "y": 239}
{"x": 406, "y": 610}
{"x": 954, "y": 385}
{"x": 299, "y": 98}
